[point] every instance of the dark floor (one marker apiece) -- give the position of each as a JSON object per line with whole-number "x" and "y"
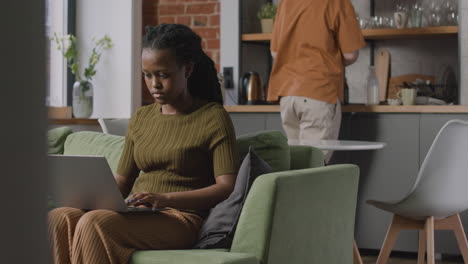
{"x": 369, "y": 257}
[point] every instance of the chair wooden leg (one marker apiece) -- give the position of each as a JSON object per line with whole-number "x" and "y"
{"x": 389, "y": 241}
{"x": 356, "y": 256}
{"x": 429, "y": 228}
{"x": 422, "y": 247}
{"x": 461, "y": 238}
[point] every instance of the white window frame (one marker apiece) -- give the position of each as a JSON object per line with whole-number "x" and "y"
{"x": 57, "y": 22}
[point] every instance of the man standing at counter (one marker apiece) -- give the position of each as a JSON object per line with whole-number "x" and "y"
{"x": 312, "y": 42}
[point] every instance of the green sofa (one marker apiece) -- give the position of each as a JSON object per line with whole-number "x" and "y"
{"x": 301, "y": 213}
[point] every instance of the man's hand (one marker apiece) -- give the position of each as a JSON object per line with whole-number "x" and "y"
{"x": 350, "y": 58}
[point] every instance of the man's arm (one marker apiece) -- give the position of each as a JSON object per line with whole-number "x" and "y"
{"x": 350, "y": 58}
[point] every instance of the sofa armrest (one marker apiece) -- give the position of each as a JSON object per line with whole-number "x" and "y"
{"x": 303, "y": 157}
{"x": 301, "y": 216}
{"x": 194, "y": 256}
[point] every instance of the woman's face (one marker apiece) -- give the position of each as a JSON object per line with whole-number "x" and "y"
{"x": 165, "y": 79}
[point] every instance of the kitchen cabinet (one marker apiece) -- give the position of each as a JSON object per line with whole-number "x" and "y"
{"x": 385, "y": 174}
{"x": 389, "y": 173}
{"x": 430, "y": 125}
{"x": 245, "y": 123}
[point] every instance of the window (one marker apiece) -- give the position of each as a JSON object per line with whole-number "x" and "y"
{"x": 57, "y": 20}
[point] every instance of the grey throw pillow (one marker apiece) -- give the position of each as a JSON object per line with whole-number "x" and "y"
{"x": 218, "y": 229}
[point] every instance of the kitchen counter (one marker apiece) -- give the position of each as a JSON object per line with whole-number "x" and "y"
{"x": 442, "y": 109}
{"x": 360, "y": 108}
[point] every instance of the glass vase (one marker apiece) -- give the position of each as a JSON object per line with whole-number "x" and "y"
{"x": 82, "y": 99}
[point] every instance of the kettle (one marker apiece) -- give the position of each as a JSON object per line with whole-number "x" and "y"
{"x": 251, "y": 89}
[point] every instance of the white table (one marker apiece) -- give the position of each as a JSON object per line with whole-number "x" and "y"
{"x": 342, "y": 144}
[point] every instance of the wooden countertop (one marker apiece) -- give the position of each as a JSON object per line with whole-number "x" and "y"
{"x": 441, "y": 109}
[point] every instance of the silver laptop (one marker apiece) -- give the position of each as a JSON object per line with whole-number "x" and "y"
{"x": 86, "y": 182}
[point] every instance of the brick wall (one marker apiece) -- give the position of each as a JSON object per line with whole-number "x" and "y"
{"x": 201, "y": 15}
{"x": 150, "y": 17}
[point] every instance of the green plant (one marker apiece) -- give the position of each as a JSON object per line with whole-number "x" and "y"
{"x": 266, "y": 11}
{"x": 67, "y": 46}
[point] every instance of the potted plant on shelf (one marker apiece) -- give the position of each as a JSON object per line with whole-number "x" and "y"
{"x": 82, "y": 103}
{"x": 266, "y": 14}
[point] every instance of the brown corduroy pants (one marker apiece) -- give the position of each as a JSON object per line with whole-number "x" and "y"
{"x": 103, "y": 236}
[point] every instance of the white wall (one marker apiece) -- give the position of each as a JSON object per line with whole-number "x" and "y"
{"x": 463, "y": 42}
{"x": 23, "y": 133}
{"x": 230, "y": 45}
{"x": 117, "y": 84}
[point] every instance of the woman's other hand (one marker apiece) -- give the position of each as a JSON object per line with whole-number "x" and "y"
{"x": 147, "y": 199}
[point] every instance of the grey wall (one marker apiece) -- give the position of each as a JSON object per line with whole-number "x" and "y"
{"x": 23, "y": 148}
{"x": 463, "y": 4}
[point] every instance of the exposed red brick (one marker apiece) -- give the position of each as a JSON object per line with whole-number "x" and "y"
{"x": 166, "y": 19}
{"x": 214, "y": 20}
{"x": 214, "y": 55}
{"x": 203, "y": 44}
{"x": 171, "y": 9}
{"x": 207, "y": 33}
{"x": 185, "y": 20}
{"x": 200, "y": 21}
{"x": 212, "y": 44}
{"x": 207, "y": 8}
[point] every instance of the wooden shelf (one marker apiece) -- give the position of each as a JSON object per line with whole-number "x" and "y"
{"x": 399, "y": 33}
{"x": 384, "y": 33}
{"x": 442, "y": 109}
{"x": 257, "y": 37}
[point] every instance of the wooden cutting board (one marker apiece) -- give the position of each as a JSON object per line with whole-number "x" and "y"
{"x": 397, "y": 81}
{"x": 382, "y": 68}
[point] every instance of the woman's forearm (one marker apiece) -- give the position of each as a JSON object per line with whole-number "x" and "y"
{"x": 125, "y": 184}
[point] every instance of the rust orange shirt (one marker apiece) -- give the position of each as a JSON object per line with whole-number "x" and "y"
{"x": 309, "y": 38}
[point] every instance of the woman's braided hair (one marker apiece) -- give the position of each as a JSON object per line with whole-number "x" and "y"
{"x": 186, "y": 46}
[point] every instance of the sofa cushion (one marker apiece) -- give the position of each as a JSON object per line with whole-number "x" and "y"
{"x": 96, "y": 143}
{"x": 56, "y": 139}
{"x": 218, "y": 229}
{"x": 195, "y": 256}
{"x": 271, "y": 146}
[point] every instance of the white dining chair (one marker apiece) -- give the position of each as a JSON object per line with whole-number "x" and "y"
{"x": 437, "y": 197}
{"x": 114, "y": 126}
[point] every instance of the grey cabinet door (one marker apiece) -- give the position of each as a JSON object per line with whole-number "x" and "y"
{"x": 273, "y": 122}
{"x": 386, "y": 174}
{"x": 445, "y": 241}
{"x": 245, "y": 123}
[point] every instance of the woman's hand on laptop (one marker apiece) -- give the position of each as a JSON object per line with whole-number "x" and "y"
{"x": 147, "y": 199}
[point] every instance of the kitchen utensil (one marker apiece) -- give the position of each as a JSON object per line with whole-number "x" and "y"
{"x": 397, "y": 81}
{"x": 251, "y": 89}
{"x": 382, "y": 67}
{"x": 407, "y": 96}
{"x": 446, "y": 85}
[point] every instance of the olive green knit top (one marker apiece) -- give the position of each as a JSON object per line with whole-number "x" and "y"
{"x": 179, "y": 152}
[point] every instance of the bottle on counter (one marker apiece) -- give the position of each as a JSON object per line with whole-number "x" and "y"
{"x": 372, "y": 87}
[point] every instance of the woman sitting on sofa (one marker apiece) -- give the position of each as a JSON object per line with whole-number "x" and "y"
{"x": 184, "y": 144}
